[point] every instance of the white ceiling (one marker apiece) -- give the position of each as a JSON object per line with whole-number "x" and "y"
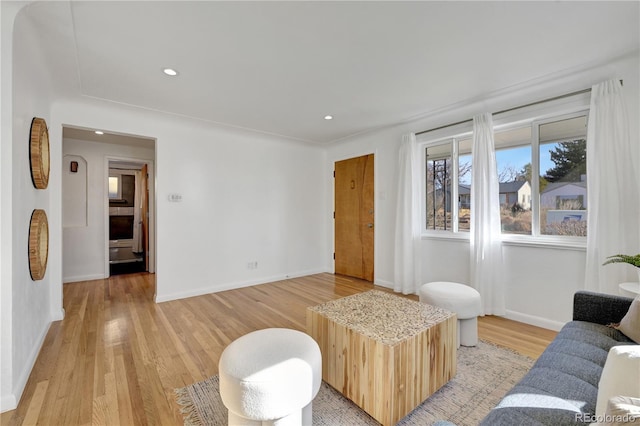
{"x": 280, "y": 67}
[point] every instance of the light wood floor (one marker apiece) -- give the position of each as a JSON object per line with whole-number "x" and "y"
{"x": 117, "y": 356}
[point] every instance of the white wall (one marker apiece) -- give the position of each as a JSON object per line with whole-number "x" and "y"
{"x": 246, "y": 197}
{"x": 84, "y": 247}
{"x": 26, "y": 306}
{"x": 541, "y": 280}
{"x": 8, "y": 13}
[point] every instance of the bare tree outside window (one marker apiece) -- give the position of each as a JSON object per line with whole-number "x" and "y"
{"x": 438, "y": 193}
{"x": 439, "y": 190}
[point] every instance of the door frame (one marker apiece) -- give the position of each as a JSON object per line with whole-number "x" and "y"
{"x": 152, "y": 209}
{"x": 376, "y": 204}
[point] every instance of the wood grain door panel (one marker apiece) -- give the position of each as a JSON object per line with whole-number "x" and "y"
{"x": 354, "y": 214}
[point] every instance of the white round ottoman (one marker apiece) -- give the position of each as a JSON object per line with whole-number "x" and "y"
{"x": 270, "y": 377}
{"x": 459, "y": 298}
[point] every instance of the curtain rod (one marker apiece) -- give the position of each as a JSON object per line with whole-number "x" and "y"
{"x": 555, "y": 98}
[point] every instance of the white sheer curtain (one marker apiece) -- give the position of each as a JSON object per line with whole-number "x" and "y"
{"x": 136, "y": 245}
{"x": 612, "y": 190}
{"x": 486, "y": 247}
{"x": 407, "y": 243}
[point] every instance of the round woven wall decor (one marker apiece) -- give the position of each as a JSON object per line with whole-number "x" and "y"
{"x": 39, "y": 153}
{"x": 38, "y": 244}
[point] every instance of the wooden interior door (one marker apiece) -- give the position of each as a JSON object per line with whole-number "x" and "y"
{"x": 354, "y": 213}
{"x": 144, "y": 212}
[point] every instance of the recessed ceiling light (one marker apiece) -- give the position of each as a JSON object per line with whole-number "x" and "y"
{"x": 328, "y": 117}
{"x": 99, "y": 132}
{"x": 170, "y": 71}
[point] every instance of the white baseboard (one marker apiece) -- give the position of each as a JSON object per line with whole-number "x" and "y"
{"x": 10, "y": 402}
{"x": 57, "y": 315}
{"x": 77, "y": 278}
{"x": 534, "y": 320}
{"x": 383, "y": 283}
{"x": 234, "y": 285}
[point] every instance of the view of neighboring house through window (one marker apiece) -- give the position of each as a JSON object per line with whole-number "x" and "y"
{"x": 513, "y": 158}
{"x": 563, "y": 177}
{"x": 464, "y": 184}
{"x": 559, "y": 150}
{"x": 541, "y": 168}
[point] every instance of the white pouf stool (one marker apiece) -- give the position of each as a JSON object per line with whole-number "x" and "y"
{"x": 270, "y": 377}
{"x": 459, "y": 298}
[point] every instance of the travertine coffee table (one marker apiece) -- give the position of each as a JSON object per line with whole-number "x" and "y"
{"x": 384, "y": 352}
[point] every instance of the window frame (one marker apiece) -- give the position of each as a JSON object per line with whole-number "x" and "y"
{"x": 535, "y": 183}
{"x": 533, "y": 116}
{"x": 453, "y": 141}
{"x": 452, "y": 177}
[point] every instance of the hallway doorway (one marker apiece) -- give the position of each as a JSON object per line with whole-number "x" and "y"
{"x": 128, "y": 198}
{"x": 103, "y": 225}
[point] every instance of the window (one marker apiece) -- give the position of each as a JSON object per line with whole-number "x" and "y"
{"x": 541, "y": 166}
{"x": 563, "y": 177}
{"x": 114, "y": 187}
{"x": 464, "y": 184}
{"x": 513, "y": 159}
{"x": 559, "y": 147}
{"x": 438, "y": 193}
{"x": 448, "y": 162}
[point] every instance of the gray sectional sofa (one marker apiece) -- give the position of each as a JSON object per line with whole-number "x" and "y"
{"x": 562, "y": 386}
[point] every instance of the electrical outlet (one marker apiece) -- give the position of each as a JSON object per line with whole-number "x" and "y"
{"x": 252, "y": 265}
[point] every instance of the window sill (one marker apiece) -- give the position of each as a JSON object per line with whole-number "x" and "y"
{"x": 565, "y": 243}
{"x": 445, "y": 235}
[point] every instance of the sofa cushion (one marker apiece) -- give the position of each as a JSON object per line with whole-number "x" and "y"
{"x": 532, "y": 406}
{"x": 598, "y": 335}
{"x": 581, "y": 350}
{"x": 620, "y": 375}
{"x": 574, "y": 365}
{"x": 630, "y": 323}
{"x": 562, "y": 386}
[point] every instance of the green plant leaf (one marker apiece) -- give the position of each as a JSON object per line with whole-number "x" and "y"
{"x": 624, "y": 258}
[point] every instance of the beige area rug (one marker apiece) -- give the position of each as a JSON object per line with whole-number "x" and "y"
{"x": 485, "y": 373}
